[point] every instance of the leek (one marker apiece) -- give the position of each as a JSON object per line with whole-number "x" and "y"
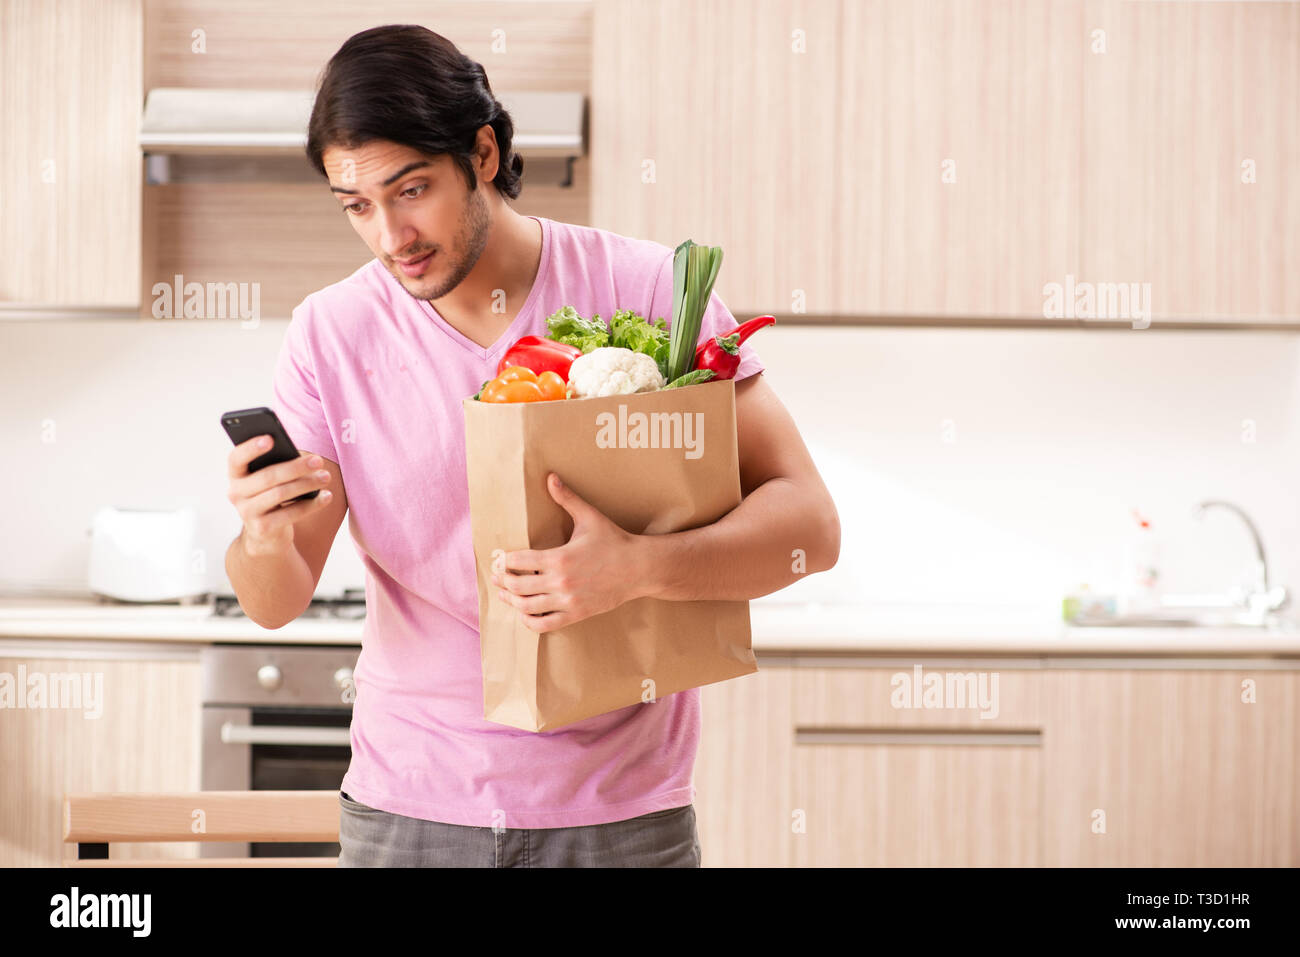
{"x": 695, "y": 268}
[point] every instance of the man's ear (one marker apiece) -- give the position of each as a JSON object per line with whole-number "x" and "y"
{"x": 488, "y": 153}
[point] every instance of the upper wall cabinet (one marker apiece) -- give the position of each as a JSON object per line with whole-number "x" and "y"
{"x": 70, "y": 175}
{"x": 717, "y": 122}
{"x": 945, "y": 158}
{"x": 1191, "y": 158}
{"x": 956, "y": 165}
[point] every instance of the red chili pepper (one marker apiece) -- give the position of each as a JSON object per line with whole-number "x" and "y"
{"x": 722, "y": 353}
{"x": 540, "y": 355}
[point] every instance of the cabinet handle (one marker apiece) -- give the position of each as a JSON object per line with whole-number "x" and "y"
{"x": 1021, "y": 737}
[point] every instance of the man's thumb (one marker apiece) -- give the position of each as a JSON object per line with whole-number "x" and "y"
{"x": 567, "y": 498}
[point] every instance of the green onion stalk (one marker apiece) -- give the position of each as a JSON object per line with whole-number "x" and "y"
{"x": 695, "y": 268}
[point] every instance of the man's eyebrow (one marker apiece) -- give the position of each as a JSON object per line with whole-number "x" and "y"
{"x": 391, "y": 180}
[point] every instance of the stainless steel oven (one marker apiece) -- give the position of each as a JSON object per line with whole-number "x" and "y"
{"x": 275, "y": 718}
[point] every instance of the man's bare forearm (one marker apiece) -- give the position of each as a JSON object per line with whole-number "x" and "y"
{"x": 273, "y": 587}
{"x": 778, "y": 534}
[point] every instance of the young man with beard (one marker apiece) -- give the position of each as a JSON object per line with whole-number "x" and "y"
{"x": 417, "y": 153}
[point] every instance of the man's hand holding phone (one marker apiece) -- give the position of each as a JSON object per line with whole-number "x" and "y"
{"x": 259, "y": 496}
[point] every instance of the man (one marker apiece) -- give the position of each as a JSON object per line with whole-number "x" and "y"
{"x": 369, "y": 383}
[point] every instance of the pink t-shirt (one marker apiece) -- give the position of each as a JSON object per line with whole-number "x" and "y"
{"x": 373, "y": 379}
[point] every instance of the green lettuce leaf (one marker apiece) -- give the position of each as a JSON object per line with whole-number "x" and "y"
{"x": 586, "y": 334}
{"x": 629, "y": 330}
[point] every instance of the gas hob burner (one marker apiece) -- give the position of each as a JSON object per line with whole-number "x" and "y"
{"x": 351, "y": 606}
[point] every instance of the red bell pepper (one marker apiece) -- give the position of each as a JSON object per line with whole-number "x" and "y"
{"x": 721, "y": 354}
{"x": 540, "y": 355}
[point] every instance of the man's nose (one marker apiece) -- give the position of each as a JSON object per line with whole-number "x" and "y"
{"x": 394, "y": 234}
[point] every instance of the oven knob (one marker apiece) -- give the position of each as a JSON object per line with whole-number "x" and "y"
{"x": 343, "y": 678}
{"x": 269, "y": 677}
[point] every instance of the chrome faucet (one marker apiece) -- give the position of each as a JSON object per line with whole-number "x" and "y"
{"x": 1262, "y": 599}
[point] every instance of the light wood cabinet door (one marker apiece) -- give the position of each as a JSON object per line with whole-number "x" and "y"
{"x": 957, "y": 164}
{"x": 1188, "y": 102}
{"x": 851, "y": 158}
{"x": 717, "y": 122}
{"x": 917, "y": 804}
{"x": 885, "y": 778}
{"x": 809, "y": 765}
{"x": 945, "y": 158}
{"x": 743, "y": 769}
{"x": 140, "y": 731}
{"x": 70, "y": 166}
{"x": 1171, "y": 768}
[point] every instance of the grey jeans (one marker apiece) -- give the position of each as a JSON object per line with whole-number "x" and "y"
{"x": 373, "y": 838}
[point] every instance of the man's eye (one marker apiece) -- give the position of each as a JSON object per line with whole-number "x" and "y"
{"x": 354, "y": 207}
{"x": 414, "y": 191}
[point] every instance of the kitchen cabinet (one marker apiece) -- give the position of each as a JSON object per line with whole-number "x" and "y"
{"x": 851, "y": 158}
{"x": 956, "y": 165}
{"x": 801, "y": 765}
{"x": 951, "y": 159}
{"x": 1191, "y": 130}
{"x": 743, "y": 770}
{"x": 887, "y": 786}
{"x": 1166, "y": 768}
{"x": 817, "y": 759}
{"x": 718, "y": 122}
{"x": 144, "y": 738}
{"x": 1096, "y": 142}
{"x": 70, "y": 95}
{"x": 1123, "y": 762}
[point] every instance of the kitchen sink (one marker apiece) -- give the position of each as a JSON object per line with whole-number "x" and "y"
{"x": 1218, "y": 618}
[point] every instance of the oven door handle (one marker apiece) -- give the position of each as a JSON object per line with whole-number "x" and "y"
{"x": 232, "y": 733}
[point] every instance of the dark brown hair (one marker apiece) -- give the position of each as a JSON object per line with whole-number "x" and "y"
{"x": 407, "y": 84}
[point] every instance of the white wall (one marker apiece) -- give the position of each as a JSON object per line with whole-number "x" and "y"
{"x": 136, "y": 407}
{"x": 1055, "y": 435}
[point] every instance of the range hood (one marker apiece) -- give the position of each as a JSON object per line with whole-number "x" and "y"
{"x": 249, "y": 123}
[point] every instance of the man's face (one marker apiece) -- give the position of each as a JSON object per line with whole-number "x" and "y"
{"x": 414, "y": 211}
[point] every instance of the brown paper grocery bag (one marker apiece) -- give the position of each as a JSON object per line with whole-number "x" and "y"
{"x": 653, "y": 462}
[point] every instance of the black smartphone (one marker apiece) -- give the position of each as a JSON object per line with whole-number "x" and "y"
{"x": 243, "y": 424}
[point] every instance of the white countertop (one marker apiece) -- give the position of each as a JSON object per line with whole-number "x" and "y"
{"x": 776, "y": 627}
{"x": 963, "y": 628}
{"x": 74, "y": 618}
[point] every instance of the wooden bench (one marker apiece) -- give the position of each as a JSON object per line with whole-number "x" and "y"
{"x": 93, "y": 821}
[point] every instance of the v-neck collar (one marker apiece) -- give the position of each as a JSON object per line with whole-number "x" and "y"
{"x": 521, "y": 318}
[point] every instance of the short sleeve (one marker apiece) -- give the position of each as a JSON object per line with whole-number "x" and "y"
{"x": 717, "y": 320}
{"x": 296, "y": 393}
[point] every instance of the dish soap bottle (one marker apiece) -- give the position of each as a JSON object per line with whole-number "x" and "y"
{"x": 1142, "y": 564}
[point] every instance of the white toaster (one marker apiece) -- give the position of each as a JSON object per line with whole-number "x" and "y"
{"x": 146, "y": 555}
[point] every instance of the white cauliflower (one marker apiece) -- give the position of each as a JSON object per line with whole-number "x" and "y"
{"x": 610, "y": 370}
